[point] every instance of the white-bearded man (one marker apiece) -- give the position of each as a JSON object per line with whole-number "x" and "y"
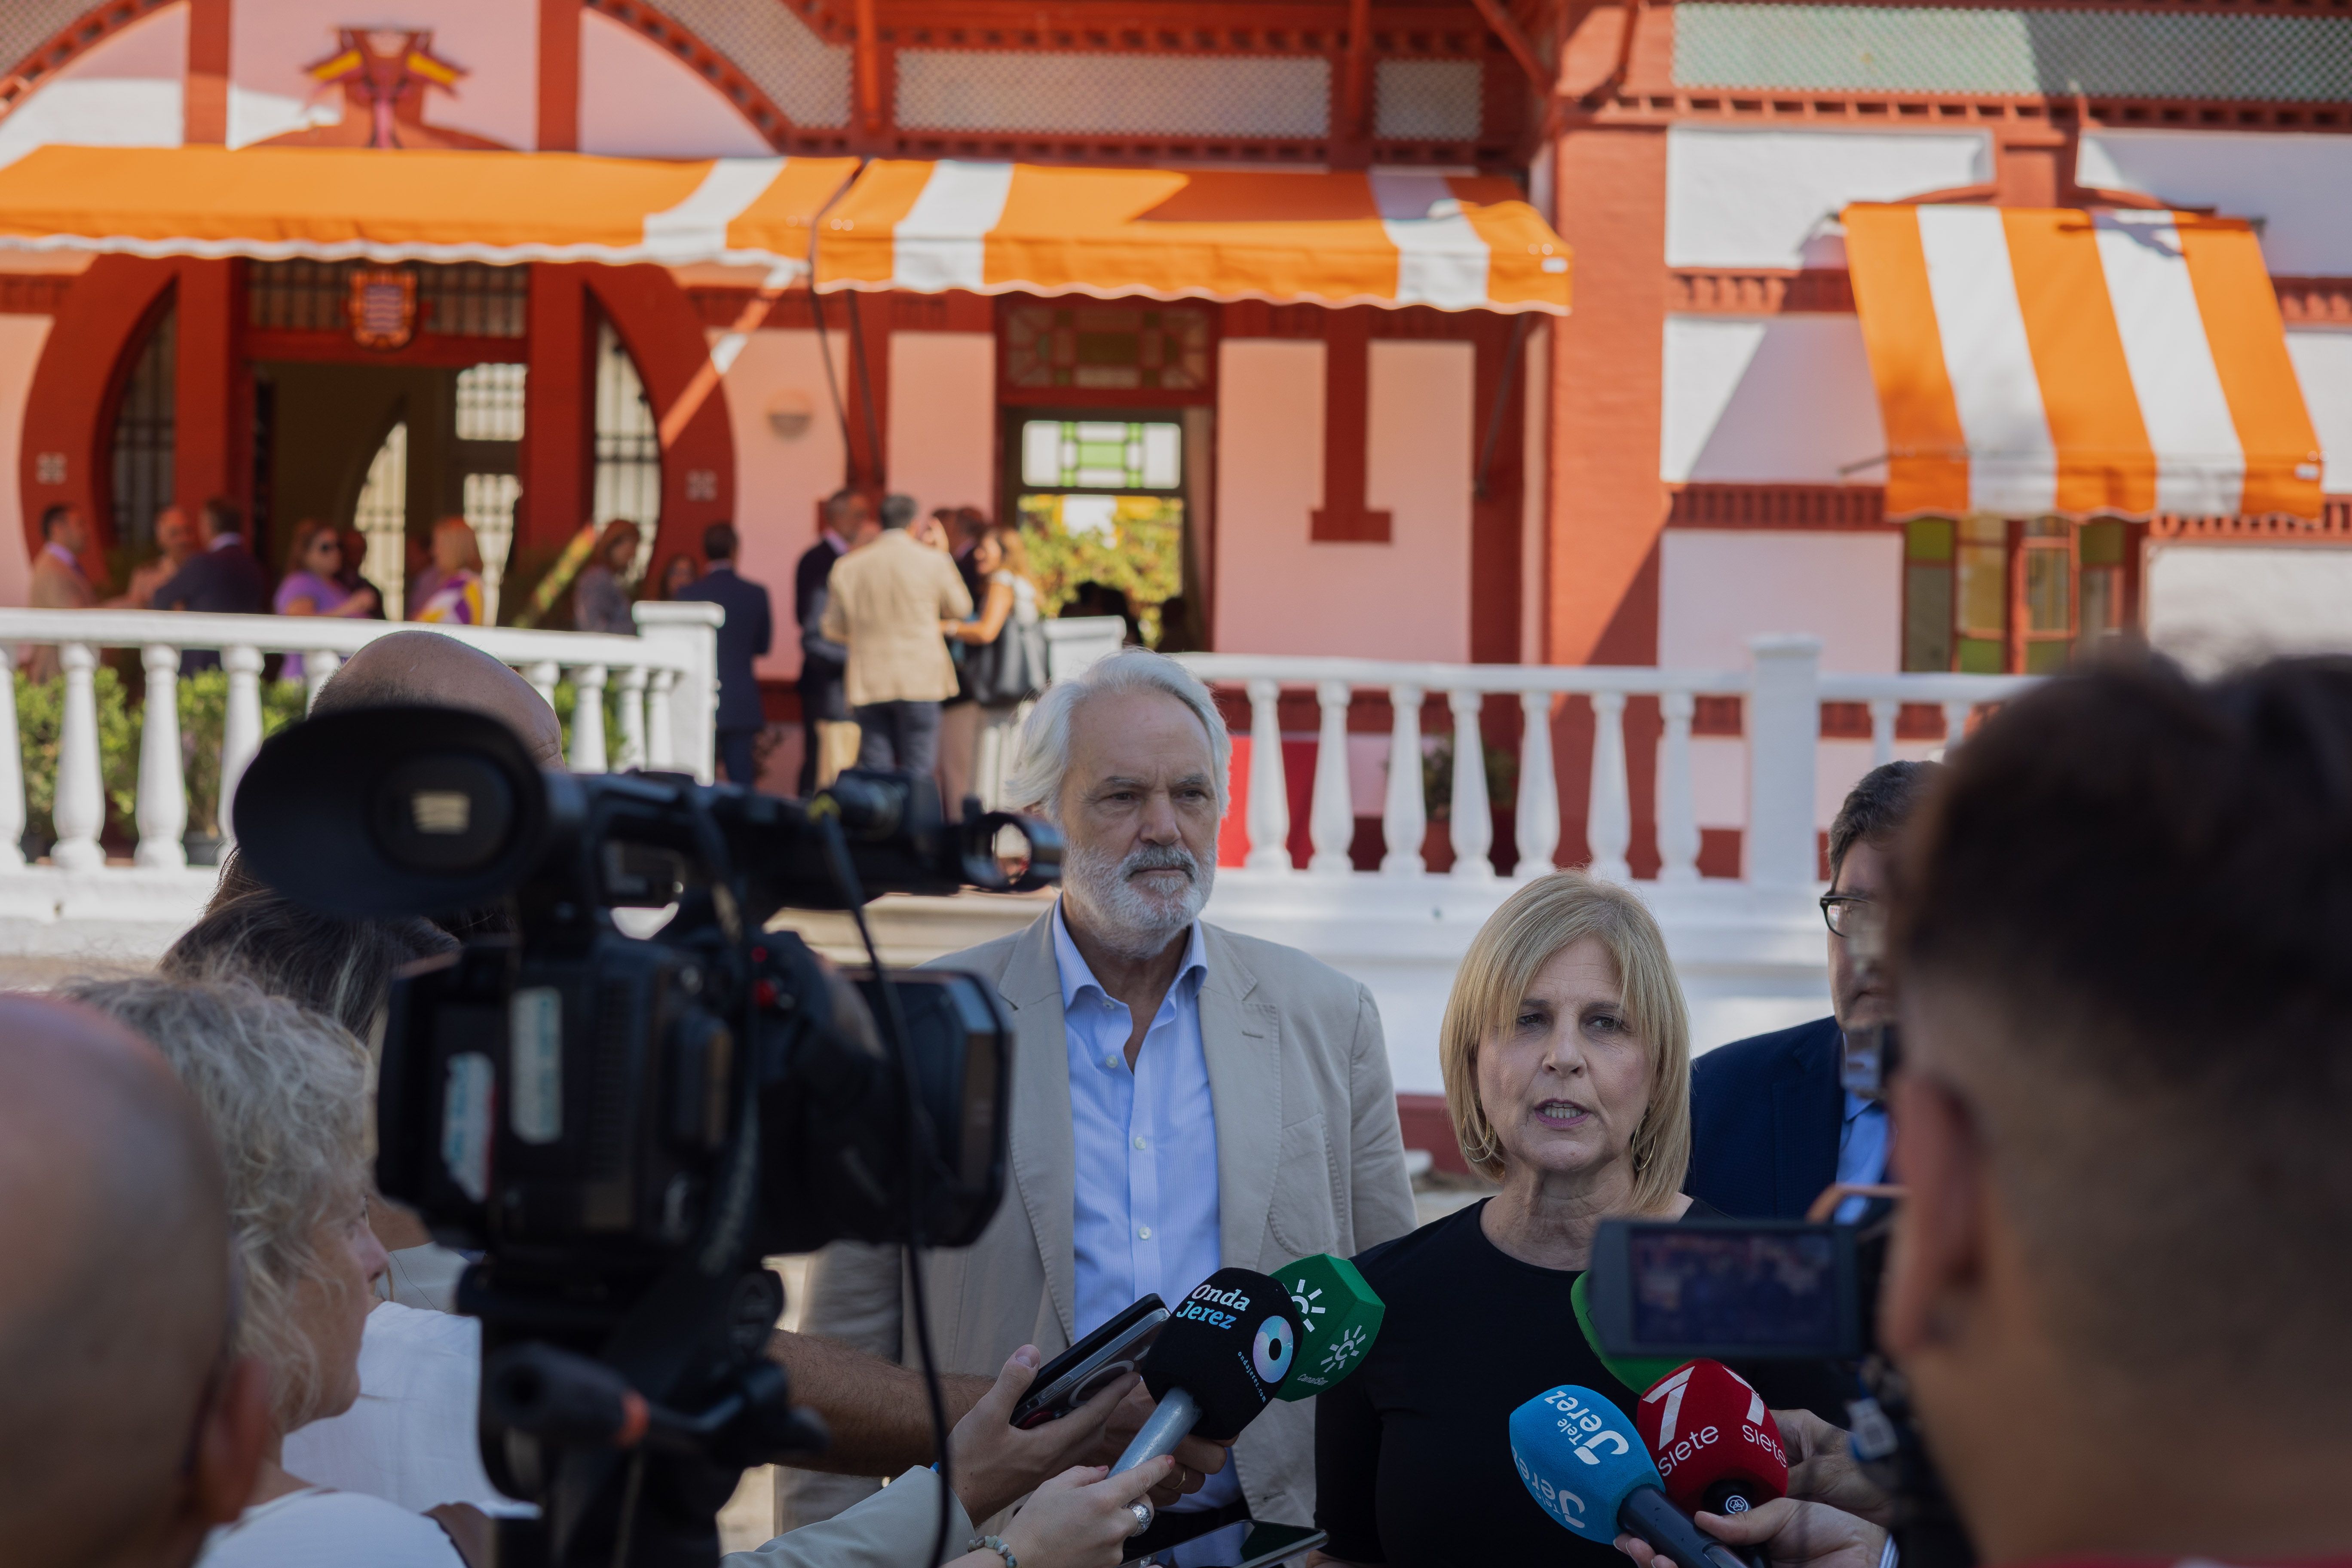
{"x": 1184, "y": 1098}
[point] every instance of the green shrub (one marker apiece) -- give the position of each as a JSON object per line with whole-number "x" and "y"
{"x": 121, "y": 724}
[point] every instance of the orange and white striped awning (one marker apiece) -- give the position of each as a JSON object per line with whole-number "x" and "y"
{"x": 1391, "y": 237}
{"x": 337, "y": 203}
{"x": 2032, "y": 361}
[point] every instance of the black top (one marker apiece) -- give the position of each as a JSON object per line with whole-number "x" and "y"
{"x": 1412, "y": 1453}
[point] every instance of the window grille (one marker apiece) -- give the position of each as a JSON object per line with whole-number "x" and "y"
{"x": 490, "y": 402}
{"x": 144, "y": 440}
{"x": 628, "y": 446}
{"x": 382, "y": 518}
{"x": 466, "y": 299}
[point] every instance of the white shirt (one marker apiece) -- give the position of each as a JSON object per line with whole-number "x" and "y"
{"x": 410, "y": 1437}
{"x": 1145, "y": 1219}
{"x": 307, "y": 1528}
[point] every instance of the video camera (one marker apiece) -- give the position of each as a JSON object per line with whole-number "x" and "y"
{"x": 624, "y": 1126}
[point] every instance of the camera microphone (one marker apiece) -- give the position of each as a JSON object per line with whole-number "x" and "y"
{"x": 1716, "y": 1446}
{"x": 1583, "y": 1462}
{"x": 1218, "y": 1360}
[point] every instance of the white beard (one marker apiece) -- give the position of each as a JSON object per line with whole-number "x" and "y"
{"x": 1134, "y": 920}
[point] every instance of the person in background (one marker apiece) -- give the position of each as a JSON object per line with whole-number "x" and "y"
{"x": 58, "y": 581}
{"x": 745, "y": 636}
{"x": 350, "y": 579}
{"x": 285, "y": 1093}
{"x": 599, "y": 601}
{"x": 1009, "y": 606}
{"x": 456, "y": 595}
{"x": 682, "y": 570}
{"x": 1772, "y": 1126}
{"x": 1176, "y": 626}
{"x": 847, "y": 521}
{"x": 962, "y": 716}
{"x": 964, "y": 533}
{"x": 221, "y": 578}
{"x": 129, "y": 1425}
{"x": 884, "y": 601}
{"x": 1092, "y": 598}
{"x": 314, "y": 587}
{"x": 421, "y": 575}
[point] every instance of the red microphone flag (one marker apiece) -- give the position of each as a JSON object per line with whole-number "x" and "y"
{"x": 1716, "y": 1446}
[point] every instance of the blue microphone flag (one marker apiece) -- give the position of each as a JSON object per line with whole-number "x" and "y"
{"x": 1579, "y": 1457}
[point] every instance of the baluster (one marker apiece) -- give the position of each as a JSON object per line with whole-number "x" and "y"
{"x": 319, "y": 667}
{"x": 1332, "y": 823}
{"x": 1882, "y": 711}
{"x": 163, "y": 809}
{"x": 1539, "y": 820}
{"x": 661, "y": 733}
{"x": 1956, "y": 724}
{"x": 1677, "y": 810}
{"x": 1471, "y": 825}
{"x": 588, "y": 718}
{"x": 80, "y": 811}
{"x": 1609, "y": 823}
{"x": 12, "y": 778}
{"x": 1269, "y": 797}
{"x": 542, "y": 676}
{"x": 632, "y": 719}
{"x": 240, "y": 729}
{"x": 1781, "y": 846}
{"x": 1405, "y": 822}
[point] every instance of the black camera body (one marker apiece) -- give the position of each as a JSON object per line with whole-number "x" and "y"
{"x": 624, "y": 1126}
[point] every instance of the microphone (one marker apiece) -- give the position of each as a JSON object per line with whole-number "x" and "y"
{"x": 1576, "y": 1461}
{"x": 1716, "y": 1446}
{"x": 1338, "y": 1318}
{"x": 1633, "y": 1371}
{"x": 1218, "y": 1360}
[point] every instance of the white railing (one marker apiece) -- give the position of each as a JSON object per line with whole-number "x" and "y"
{"x": 1781, "y": 690}
{"x": 666, "y": 678}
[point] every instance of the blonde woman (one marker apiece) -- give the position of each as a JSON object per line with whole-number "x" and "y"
{"x": 1007, "y": 661}
{"x": 455, "y": 598}
{"x": 1566, "y": 1053}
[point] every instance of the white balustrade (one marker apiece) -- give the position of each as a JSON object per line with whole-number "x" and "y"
{"x": 1677, "y": 806}
{"x": 1405, "y": 820}
{"x": 1883, "y": 714}
{"x": 1609, "y": 819}
{"x": 1784, "y": 726}
{"x": 80, "y": 809}
{"x": 1470, "y": 823}
{"x": 1331, "y": 820}
{"x": 654, "y": 731}
{"x": 1956, "y": 723}
{"x": 1537, "y": 827}
{"x": 1269, "y": 792}
{"x": 162, "y": 805}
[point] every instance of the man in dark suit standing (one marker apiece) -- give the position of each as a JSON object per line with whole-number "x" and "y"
{"x": 743, "y": 637}
{"x": 220, "y": 578}
{"x": 1772, "y": 1125}
{"x": 848, "y": 518}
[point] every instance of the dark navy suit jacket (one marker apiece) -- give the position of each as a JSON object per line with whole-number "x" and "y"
{"x": 743, "y": 637}
{"x": 1765, "y": 1115}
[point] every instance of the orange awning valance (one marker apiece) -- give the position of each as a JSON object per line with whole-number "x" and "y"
{"x": 1391, "y": 237}
{"x": 2033, "y": 361}
{"x": 333, "y": 203}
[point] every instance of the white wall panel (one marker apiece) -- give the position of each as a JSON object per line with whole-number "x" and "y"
{"x": 639, "y": 100}
{"x": 1756, "y": 198}
{"x": 942, "y": 421}
{"x": 2323, "y": 364}
{"x": 2298, "y": 186}
{"x": 1277, "y": 591}
{"x": 1782, "y": 399}
{"x": 2214, "y": 605}
{"x": 1718, "y": 587}
{"x": 778, "y": 483}
{"x": 125, "y": 92}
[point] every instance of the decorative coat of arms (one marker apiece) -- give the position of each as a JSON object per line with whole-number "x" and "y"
{"x": 389, "y": 72}
{"x": 383, "y": 306}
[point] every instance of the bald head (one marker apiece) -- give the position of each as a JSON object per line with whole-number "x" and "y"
{"x": 114, "y": 1306}
{"x": 428, "y": 671}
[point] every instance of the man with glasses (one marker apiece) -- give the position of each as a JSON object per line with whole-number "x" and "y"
{"x": 1772, "y": 1125}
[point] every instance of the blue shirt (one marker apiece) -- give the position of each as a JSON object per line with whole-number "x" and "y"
{"x": 1862, "y": 1149}
{"x": 1145, "y": 1217}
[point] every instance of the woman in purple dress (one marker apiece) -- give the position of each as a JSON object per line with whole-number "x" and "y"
{"x": 311, "y": 588}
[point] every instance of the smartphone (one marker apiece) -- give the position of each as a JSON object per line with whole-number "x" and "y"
{"x": 1086, "y": 1368}
{"x": 1217, "y": 1541}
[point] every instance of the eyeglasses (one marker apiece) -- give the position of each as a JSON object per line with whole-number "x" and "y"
{"x": 1847, "y": 913}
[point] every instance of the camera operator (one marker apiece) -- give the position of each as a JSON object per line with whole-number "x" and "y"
{"x": 2117, "y": 1284}
{"x": 129, "y": 1427}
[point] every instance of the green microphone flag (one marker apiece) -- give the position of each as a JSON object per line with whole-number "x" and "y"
{"x": 1339, "y": 1318}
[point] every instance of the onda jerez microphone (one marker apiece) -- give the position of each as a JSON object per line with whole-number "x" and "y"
{"x": 1716, "y": 1446}
{"x": 1218, "y": 1359}
{"x": 1338, "y": 1317}
{"x": 1578, "y": 1460}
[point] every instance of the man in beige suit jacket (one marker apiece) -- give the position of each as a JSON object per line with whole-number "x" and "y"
{"x": 1295, "y": 1125}
{"x": 885, "y": 600}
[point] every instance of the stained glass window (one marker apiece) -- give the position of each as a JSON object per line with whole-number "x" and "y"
{"x": 1108, "y": 347}
{"x": 1101, "y": 455}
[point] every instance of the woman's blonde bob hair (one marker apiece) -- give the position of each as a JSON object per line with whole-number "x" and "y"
{"x": 1518, "y": 938}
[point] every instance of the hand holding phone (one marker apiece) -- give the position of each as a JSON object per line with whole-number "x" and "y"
{"x": 994, "y": 1463}
{"x": 1094, "y": 1363}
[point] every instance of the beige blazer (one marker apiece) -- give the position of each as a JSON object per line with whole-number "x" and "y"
{"x": 1309, "y": 1159}
{"x": 893, "y": 1529}
{"x": 886, "y": 600}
